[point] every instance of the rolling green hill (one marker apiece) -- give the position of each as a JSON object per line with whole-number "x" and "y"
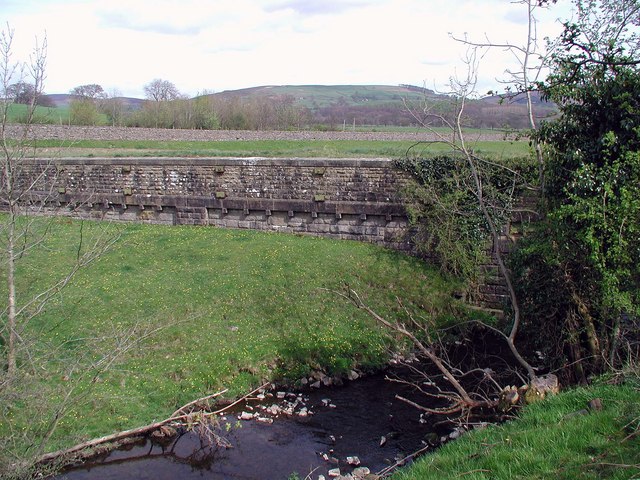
{"x": 387, "y": 104}
{"x": 319, "y": 96}
{"x": 334, "y": 105}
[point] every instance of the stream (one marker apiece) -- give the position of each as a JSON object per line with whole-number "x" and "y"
{"x": 360, "y": 424}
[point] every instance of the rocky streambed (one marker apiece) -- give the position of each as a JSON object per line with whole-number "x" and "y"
{"x": 353, "y": 431}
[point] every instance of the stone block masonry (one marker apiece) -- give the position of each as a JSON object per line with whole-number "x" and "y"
{"x": 355, "y": 199}
{"x": 342, "y": 198}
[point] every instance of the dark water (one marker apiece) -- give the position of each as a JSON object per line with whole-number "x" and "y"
{"x": 352, "y": 423}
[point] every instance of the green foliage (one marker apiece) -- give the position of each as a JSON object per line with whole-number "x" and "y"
{"x": 581, "y": 273}
{"x": 204, "y": 115}
{"x": 450, "y": 226}
{"x": 443, "y": 206}
{"x": 594, "y": 183}
{"x": 84, "y": 111}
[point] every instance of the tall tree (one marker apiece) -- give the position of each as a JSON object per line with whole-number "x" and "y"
{"x": 85, "y": 104}
{"x": 90, "y": 91}
{"x": 31, "y": 405}
{"x": 582, "y": 271}
{"x": 21, "y": 92}
{"x": 14, "y": 188}
{"x": 160, "y": 90}
{"x": 532, "y": 61}
{"x": 113, "y": 107}
{"x": 160, "y": 93}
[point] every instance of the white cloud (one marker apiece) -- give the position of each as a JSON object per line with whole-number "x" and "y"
{"x": 228, "y": 44}
{"x": 318, "y": 7}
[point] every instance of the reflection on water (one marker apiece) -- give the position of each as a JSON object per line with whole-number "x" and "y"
{"x": 353, "y": 423}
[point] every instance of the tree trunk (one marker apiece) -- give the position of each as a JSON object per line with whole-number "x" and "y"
{"x": 11, "y": 267}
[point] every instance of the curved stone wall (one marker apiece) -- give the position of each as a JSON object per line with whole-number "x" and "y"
{"x": 355, "y": 199}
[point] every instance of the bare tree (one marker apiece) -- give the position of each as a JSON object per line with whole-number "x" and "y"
{"x": 160, "y": 90}
{"x": 28, "y": 359}
{"x": 476, "y": 183}
{"x": 14, "y": 188}
{"x": 91, "y": 91}
{"x": 113, "y": 107}
{"x": 532, "y": 61}
{"x": 21, "y": 92}
{"x": 483, "y": 192}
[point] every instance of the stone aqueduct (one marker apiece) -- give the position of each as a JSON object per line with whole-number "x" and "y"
{"x": 353, "y": 199}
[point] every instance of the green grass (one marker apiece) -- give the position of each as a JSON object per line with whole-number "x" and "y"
{"x": 548, "y": 441}
{"x": 239, "y": 307}
{"x": 415, "y": 129}
{"x": 271, "y": 148}
{"x": 57, "y": 115}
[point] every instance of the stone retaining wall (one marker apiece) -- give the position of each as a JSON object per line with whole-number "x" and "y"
{"x": 355, "y": 199}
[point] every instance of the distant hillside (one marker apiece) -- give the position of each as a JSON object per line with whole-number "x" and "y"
{"x": 320, "y": 96}
{"x": 387, "y": 105}
{"x": 332, "y": 106}
{"x": 519, "y": 99}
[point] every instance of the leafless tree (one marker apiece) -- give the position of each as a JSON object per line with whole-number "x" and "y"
{"x": 113, "y": 107}
{"x": 160, "y": 90}
{"x": 21, "y": 92}
{"x": 28, "y": 359}
{"x": 532, "y": 59}
{"x": 15, "y": 188}
{"x": 473, "y": 177}
{"x": 462, "y": 89}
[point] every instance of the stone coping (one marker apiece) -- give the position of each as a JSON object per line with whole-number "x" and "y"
{"x": 215, "y": 161}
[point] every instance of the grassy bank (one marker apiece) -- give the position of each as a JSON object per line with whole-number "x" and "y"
{"x": 266, "y": 148}
{"x": 558, "y": 438}
{"x": 236, "y": 307}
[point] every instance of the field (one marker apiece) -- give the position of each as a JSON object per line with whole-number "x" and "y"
{"x": 121, "y": 142}
{"x": 43, "y": 115}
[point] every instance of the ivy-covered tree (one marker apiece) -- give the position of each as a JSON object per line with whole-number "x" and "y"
{"x": 582, "y": 272}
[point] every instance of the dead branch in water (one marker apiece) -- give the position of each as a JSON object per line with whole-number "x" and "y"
{"x": 459, "y": 400}
{"x": 176, "y": 418}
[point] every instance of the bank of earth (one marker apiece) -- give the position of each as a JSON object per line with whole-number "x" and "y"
{"x": 236, "y": 308}
{"x": 561, "y": 437}
{"x": 241, "y": 307}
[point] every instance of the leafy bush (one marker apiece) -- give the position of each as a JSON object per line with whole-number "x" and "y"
{"x": 580, "y": 274}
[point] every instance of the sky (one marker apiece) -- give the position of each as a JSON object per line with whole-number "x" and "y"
{"x": 219, "y": 45}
